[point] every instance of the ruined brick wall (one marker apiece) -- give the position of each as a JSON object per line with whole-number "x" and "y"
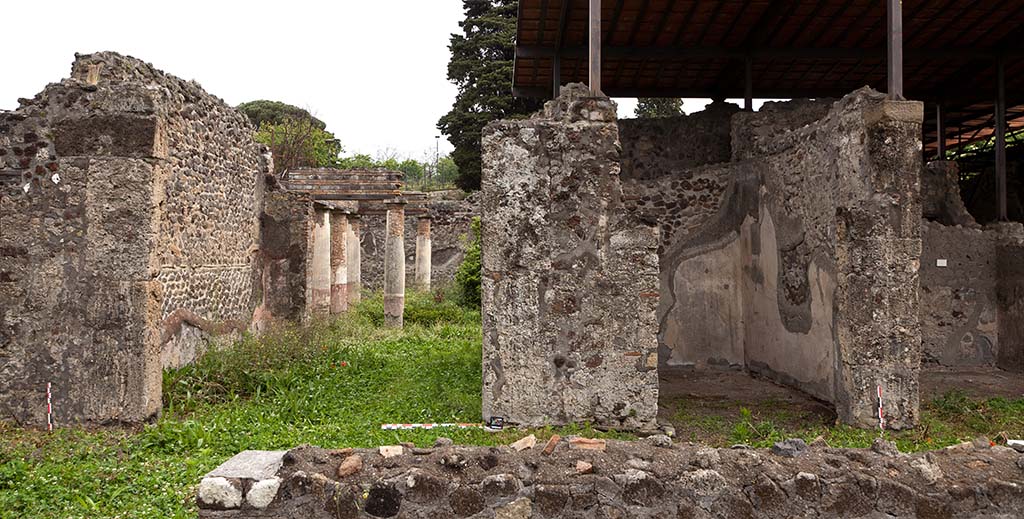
{"x": 570, "y": 281}
{"x": 129, "y": 224}
{"x": 449, "y": 230}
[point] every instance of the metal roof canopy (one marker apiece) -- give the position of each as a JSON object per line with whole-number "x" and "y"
{"x": 794, "y": 48}
{"x": 962, "y": 57}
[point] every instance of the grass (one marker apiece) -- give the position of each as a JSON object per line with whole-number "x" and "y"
{"x": 330, "y": 384}
{"x": 333, "y": 384}
{"x": 953, "y": 418}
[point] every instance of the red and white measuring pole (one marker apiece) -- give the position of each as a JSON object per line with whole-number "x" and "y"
{"x": 411, "y": 426}
{"x": 881, "y": 412}
{"x": 49, "y": 407}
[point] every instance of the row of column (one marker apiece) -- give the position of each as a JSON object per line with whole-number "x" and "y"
{"x": 336, "y": 263}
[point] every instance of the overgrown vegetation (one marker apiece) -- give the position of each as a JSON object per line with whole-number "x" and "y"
{"x": 467, "y": 277}
{"x": 330, "y": 384}
{"x": 333, "y": 384}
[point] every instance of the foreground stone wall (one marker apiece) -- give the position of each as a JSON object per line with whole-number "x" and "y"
{"x": 449, "y": 230}
{"x": 645, "y": 479}
{"x": 570, "y": 281}
{"x": 129, "y": 203}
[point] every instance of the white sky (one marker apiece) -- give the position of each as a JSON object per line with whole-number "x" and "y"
{"x": 375, "y": 72}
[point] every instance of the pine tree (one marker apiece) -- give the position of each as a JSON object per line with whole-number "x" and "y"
{"x": 650, "y": 107}
{"x": 481, "y": 67}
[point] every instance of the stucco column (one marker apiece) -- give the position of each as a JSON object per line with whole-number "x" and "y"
{"x": 320, "y": 268}
{"x": 423, "y": 253}
{"x": 339, "y": 265}
{"x": 353, "y": 253}
{"x": 394, "y": 264}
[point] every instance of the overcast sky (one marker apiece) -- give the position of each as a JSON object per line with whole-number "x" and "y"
{"x": 374, "y": 71}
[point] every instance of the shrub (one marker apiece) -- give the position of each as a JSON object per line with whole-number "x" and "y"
{"x": 467, "y": 277}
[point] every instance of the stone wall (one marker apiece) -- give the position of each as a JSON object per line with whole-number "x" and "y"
{"x": 449, "y": 230}
{"x": 766, "y": 257}
{"x": 570, "y": 281}
{"x": 959, "y": 311}
{"x": 129, "y": 206}
{"x": 655, "y": 148}
{"x": 645, "y": 479}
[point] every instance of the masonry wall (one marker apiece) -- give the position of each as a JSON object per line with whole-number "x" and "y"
{"x": 764, "y": 253}
{"x": 570, "y": 283}
{"x": 128, "y": 208}
{"x": 959, "y": 303}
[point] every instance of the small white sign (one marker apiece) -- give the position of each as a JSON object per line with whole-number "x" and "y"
{"x": 26, "y": 187}
{"x": 941, "y": 263}
{"x": 55, "y": 178}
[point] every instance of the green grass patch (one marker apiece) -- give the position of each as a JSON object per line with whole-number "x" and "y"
{"x": 948, "y": 420}
{"x": 332, "y": 384}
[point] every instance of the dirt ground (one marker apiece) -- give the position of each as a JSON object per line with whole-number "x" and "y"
{"x": 706, "y": 406}
{"x": 976, "y": 382}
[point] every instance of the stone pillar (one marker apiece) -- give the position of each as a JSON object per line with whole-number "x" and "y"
{"x": 339, "y": 265}
{"x": 394, "y": 265}
{"x": 353, "y": 255}
{"x": 569, "y": 281}
{"x": 320, "y": 267}
{"x": 423, "y": 252}
{"x": 878, "y": 254}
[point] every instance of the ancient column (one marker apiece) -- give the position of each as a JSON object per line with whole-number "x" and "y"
{"x": 353, "y": 255}
{"x": 339, "y": 265}
{"x": 320, "y": 267}
{"x": 423, "y": 254}
{"x": 394, "y": 264}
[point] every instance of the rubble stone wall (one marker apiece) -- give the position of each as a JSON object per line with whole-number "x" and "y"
{"x": 128, "y": 208}
{"x": 570, "y": 279}
{"x": 959, "y": 305}
{"x": 651, "y": 478}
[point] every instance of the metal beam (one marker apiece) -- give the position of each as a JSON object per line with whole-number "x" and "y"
{"x": 556, "y": 58}
{"x": 964, "y": 94}
{"x": 556, "y": 76}
{"x": 1001, "y": 138}
{"x": 894, "y": 45}
{"x": 748, "y": 84}
{"x": 819, "y": 53}
{"x": 595, "y": 47}
{"x": 940, "y": 128}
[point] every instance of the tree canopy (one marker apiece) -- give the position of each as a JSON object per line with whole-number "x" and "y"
{"x": 275, "y": 112}
{"x": 481, "y": 68}
{"x": 650, "y": 107}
